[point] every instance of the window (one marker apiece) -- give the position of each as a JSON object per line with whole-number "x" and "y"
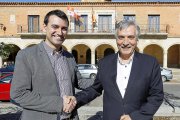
{"x": 154, "y": 23}
{"x": 87, "y": 67}
{"x": 81, "y": 24}
{"x": 33, "y": 23}
{"x": 129, "y": 17}
{"x": 105, "y": 23}
{"x": 12, "y": 19}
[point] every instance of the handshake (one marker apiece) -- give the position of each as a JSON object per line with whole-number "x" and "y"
{"x": 69, "y": 103}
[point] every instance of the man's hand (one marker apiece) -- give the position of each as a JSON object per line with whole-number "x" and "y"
{"x": 69, "y": 103}
{"x": 125, "y": 117}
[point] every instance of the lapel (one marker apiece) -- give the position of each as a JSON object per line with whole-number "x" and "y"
{"x": 114, "y": 75}
{"x": 46, "y": 61}
{"x": 134, "y": 72}
{"x": 69, "y": 65}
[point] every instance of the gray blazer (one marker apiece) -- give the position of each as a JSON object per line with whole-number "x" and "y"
{"x": 34, "y": 86}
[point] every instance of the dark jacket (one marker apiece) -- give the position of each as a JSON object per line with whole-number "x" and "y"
{"x": 144, "y": 93}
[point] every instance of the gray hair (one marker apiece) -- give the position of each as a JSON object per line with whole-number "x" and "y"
{"x": 125, "y": 24}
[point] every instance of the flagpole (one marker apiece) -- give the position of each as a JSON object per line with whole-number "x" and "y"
{"x": 68, "y": 14}
{"x": 115, "y": 14}
{"x": 115, "y": 18}
{"x": 70, "y": 23}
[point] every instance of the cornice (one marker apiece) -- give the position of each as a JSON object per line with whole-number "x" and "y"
{"x": 91, "y": 4}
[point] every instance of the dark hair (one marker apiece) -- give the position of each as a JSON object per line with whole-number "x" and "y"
{"x": 58, "y": 13}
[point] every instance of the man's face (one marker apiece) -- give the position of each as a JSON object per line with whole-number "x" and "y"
{"x": 56, "y": 31}
{"x": 126, "y": 41}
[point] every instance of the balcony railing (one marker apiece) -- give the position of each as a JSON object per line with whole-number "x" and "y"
{"x": 153, "y": 29}
{"x": 145, "y": 29}
{"x": 24, "y": 29}
{"x": 92, "y": 31}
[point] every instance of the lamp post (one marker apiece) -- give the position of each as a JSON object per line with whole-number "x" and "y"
{"x": 1, "y": 62}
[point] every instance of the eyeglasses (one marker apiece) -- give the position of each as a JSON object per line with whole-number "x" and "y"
{"x": 130, "y": 37}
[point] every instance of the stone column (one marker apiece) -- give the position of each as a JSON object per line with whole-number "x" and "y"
{"x": 140, "y": 50}
{"x": 1, "y": 61}
{"x": 69, "y": 50}
{"x": 92, "y": 56}
{"x": 116, "y": 50}
{"x": 165, "y": 58}
{"x": 179, "y": 57}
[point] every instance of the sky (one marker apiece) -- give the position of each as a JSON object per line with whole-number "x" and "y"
{"x": 41, "y": 0}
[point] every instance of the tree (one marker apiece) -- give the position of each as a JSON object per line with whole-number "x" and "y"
{"x": 5, "y": 50}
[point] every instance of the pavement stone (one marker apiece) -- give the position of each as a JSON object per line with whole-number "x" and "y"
{"x": 93, "y": 110}
{"x": 89, "y": 112}
{"x": 165, "y": 112}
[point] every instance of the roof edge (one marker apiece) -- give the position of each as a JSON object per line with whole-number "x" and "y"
{"x": 84, "y": 3}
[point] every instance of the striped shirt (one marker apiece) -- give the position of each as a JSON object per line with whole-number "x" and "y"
{"x": 61, "y": 69}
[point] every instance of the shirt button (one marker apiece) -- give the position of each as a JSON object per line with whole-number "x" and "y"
{"x": 125, "y": 77}
{"x": 125, "y": 66}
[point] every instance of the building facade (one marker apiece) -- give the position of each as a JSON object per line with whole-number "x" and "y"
{"x": 92, "y": 25}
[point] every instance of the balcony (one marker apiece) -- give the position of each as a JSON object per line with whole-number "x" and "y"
{"x": 159, "y": 32}
{"x": 23, "y": 29}
{"x": 154, "y": 31}
{"x": 26, "y": 33}
{"x": 91, "y": 34}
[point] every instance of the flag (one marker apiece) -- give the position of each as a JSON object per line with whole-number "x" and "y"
{"x": 73, "y": 13}
{"x": 77, "y": 15}
{"x": 70, "y": 11}
{"x": 93, "y": 18}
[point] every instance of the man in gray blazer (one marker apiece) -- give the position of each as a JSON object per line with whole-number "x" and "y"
{"x": 45, "y": 73}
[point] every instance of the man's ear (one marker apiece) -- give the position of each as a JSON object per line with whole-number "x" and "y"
{"x": 44, "y": 27}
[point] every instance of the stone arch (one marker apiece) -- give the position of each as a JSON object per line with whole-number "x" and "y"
{"x": 30, "y": 45}
{"x": 75, "y": 54}
{"x": 81, "y": 53}
{"x": 12, "y": 56}
{"x": 64, "y": 47}
{"x": 173, "y": 57}
{"x": 108, "y": 51}
{"x": 137, "y": 49}
{"x": 114, "y": 46}
{"x": 156, "y": 51}
{"x": 100, "y": 51}
{"x": 80, "y": 43}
